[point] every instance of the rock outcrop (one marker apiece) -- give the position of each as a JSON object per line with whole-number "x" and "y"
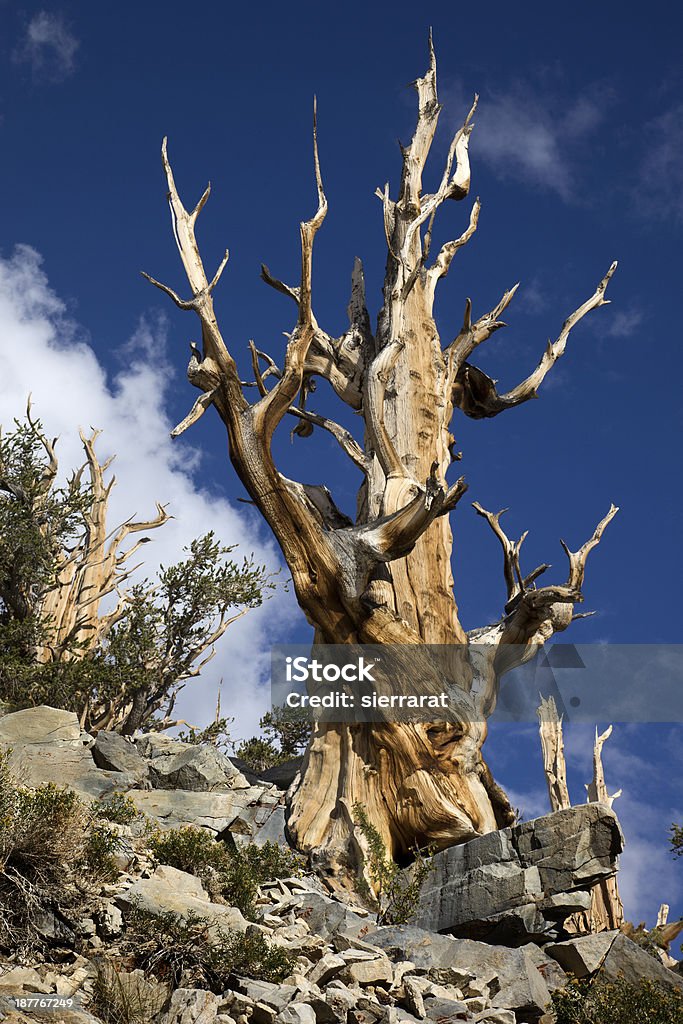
{"x": 487, "y": 947}
{"x": 521, "y": 883}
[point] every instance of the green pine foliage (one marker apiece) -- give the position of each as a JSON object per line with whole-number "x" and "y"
{"x": 394, "y": 893}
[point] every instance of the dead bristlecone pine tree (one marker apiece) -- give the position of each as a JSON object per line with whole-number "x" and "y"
{"x": 385, "y": 577}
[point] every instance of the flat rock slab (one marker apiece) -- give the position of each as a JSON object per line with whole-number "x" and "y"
{"x": 521, "y": 882}
{"x": 177, "y": 892}
{"x": 628, "y": 959}
{"x": 39, "y": 725}
{"x": 583, "y": 955}
{"x": 219, "y": 811}
{"x": 514, "y": 975}
{"x": 66, "y": 765}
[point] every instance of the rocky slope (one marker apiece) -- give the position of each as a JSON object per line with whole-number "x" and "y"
{"x": 488, "y": 943}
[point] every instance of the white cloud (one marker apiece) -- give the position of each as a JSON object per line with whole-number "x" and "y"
{"x": 622, "y": 324}
{"x": 44, "y": 353}
{"x": 48, "y": 47}
{"x": 531, "y": 135}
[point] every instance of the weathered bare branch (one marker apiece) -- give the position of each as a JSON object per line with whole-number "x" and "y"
{"x": 471, "y": 335}
{"x": 443, "y": 261}
{"x": 552, "y": 745}
{"x": 577, "y": 559}
{"x": 195, "y": 413}
{"x": 513, "y": 576}
{"x": 597, "y": 788}
{"x": 476, "y": 393}
{"x": 275, "y": 404}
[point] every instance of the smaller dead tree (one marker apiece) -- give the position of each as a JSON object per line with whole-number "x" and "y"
{"x": 607, "y": 911}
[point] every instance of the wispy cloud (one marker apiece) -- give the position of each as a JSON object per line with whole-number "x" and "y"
{"x": 48, "y": 47}
{"x": 43, "y": 352}
{"x": 622, "y": 324}
{"x": 659, "y": 187}
{"x": 532, "y": 134}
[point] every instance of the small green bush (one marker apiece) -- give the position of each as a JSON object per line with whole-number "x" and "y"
{"x": 192, "y": 952}
{"x": 395, "y": 895}
{"x": 617, "y": 1002}
{"x": 53, "y": 855}
{"x": 118, "y": 808}
{"x": 234, "y": 876}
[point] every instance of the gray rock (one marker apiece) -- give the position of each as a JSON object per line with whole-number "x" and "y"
{"x": 583, "y": 955}
{"x": 549, "y": 969}
{"x": 495, "y": 1017}
{"x": 282, "y": 775}
{"x": 327, "y": 917}
{"x": 521, "y": 882}
{"x": 276, "y": 996}
{"x": 157, "y": 744}
{"x": 115, "y": 753}
{"x": 68, "y": 765}
{"x": 445, "y": 1010}
{"x": 627, "y": 958}
{"x": 191, "y": 1006}
{"x": 333, "y": 1007}
{"x": 327, "y": 968}
{"x": 170, "y": 890}
{"x": 54, "y": 928}
{"x": 253, "y": 777}
{"x": 218, "y": 812}
{"x": 297, "y": 1013}
{"x": 39, "y": 725}
{"x": 513, "y": 976}
{"x": 199, "y": 768}
{"x": 363, "y": 968}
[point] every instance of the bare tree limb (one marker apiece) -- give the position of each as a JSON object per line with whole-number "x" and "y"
{"x": 552, "y": 745}
{"x": 476, "y": 393}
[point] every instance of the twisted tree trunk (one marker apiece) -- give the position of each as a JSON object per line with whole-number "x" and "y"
{"x": 385, "y": 577}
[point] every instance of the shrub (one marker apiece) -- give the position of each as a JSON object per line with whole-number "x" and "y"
{"x": 617, "y": 1002}
{"x": 232, "y": 875}
{"x": 53, "y": 855}
{"x": 120, "y": 997}
{"x": 118, "y": 808}
{"x": 192, "y": 952}
{"x": 396, "y": 894}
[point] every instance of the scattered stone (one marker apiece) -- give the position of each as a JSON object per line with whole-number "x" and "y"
{"x": 516, "y": 983}
{"x": 327, "y": 917}
{"x": 327, "y": 968}
{"x": 22, "y": 979}
{"x": 297, "y": 1013}
{"x": 191, "y": 1006}
{"x": 445, "y": 1010}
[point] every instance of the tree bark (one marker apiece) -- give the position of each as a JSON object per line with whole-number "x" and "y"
{"x": 385, "y": 577}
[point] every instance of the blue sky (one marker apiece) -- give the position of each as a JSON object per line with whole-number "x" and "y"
{"x": 577, "y": 156}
